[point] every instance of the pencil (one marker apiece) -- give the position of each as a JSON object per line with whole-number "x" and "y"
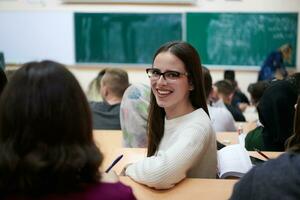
{"x": 114, "y": 163}
{"x": 262, "y": 154}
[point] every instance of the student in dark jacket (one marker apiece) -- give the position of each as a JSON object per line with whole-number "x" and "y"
{"x": 276, "y": 113}
{"x": 275, "y": 179}
{"x": 239, "y": 99}
{"x": 224, "y": 93}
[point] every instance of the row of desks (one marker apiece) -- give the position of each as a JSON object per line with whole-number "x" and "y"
{"x": 110, "y": 143}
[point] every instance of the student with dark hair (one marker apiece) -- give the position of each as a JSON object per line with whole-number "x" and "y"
{"x": 47, "y": 147}
{"x": 239, "y": 99}
{"x": 221, "y": 118}
{"x": 106, "y": 113}
{"x": 256, "y": 91}
{"x": 181, "y": 140}
{"x": 275, "y": 179}
{"x": 276, "y": 113}
{"x": 294, "y": 79}
{"x": 223, "y": 94}
{"x": 3, "y": 80}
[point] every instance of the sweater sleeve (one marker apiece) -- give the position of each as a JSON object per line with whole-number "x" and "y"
{"x": 168, "y": 167}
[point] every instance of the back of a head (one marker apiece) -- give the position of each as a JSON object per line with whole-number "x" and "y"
{"x": 229, "y": 75}
{"x": 93, "y": 92}
{"x": 117, "y": 80}
{"x": 207, "y": 81}
{"x": 134, "y": 115}
{"x": 276, "y": 113}
{"x": 224, "y": 87}
{"x": 45, "y": 130}
{"x": 286, "y": 51}
{"x": 285, "y": 47}
{"x": 257, "y": 89}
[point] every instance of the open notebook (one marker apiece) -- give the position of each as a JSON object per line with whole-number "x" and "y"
{"x": 233, "y": 161}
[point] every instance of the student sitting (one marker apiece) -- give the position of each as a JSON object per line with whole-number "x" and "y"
{"x": 276, "y": 113}
{"x": 239, "y": 99}
{"x": 106, "y": 114}
{"x": 93, "y": 92}
{"x": 221, "y": 118}
{"x": 46, "y": 140}
{"x": 257, "y": 90}
{"x": 223, "y": 93}
{"x": 134, "y": 115}
{"x": 275, "y": 179}
{"x": 182, "y": 142}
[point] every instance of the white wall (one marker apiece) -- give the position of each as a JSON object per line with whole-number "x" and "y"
{"x": 62, "y": 37}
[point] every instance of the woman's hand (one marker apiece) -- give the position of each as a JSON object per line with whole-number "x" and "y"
{"x": 110, "y": 177}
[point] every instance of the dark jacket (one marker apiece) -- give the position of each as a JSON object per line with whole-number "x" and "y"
{"x": 275, "y": 179}
{"x": 105, "y": 116}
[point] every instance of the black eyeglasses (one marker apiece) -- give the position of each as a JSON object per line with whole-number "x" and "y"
{"x": 154, "y": 74}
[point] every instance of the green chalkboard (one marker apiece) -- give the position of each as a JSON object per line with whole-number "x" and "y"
{"x": 240, "y": 38}
{"x": 123, "y": 37}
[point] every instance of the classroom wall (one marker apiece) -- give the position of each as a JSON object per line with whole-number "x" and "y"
{"x": 22, "y": 38}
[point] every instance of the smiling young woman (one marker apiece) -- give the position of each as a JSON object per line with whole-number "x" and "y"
{"x": 181, "y": 140}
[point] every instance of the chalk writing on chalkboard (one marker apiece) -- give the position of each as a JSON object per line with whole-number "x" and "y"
{"x": 240, "y": 38}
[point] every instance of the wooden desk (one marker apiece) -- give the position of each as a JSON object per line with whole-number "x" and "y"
{"x": 188, "y": 189}
{"x": 228, "y": 138}
{"x": 246, "y": 126}
{"x": 270, "y": 154}
{"x": 130, "y": 155}
{"x": 108, "y": 140}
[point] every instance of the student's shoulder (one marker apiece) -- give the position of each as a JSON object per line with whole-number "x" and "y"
{"x": 112, "y": 190}
{"x": 201, "y": 121}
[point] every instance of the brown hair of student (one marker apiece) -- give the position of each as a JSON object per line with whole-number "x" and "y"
{"x": 207, "y": 81}
{"x": 189, "y": 56}
{"x": 46, "y": 141}
{"x": 224, "y": 87}
{"x": 116, "y": 79}
{"x": 293, "y": 143}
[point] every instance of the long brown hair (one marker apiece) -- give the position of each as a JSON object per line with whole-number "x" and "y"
{"x": 189, "y": 56}
{"x": 293, "y": 143}
{"x": 46, "y": 141}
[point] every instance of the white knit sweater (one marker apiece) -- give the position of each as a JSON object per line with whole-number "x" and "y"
{"x": 187, "y": 149}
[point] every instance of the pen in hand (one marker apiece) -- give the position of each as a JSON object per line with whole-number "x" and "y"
{"x": 114, "y": 163}
{"x": 262, "y": 154}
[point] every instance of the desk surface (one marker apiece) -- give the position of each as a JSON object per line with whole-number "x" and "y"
{"x": 270, "y": 154}
{"x": 228, "y": 138}
{"x": 187, "y": 189}
{"x": 246, "y": 126}
{"x": 110, "y": 143}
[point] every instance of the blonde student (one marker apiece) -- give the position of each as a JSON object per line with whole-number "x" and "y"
{"x": 181, "y": 140}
